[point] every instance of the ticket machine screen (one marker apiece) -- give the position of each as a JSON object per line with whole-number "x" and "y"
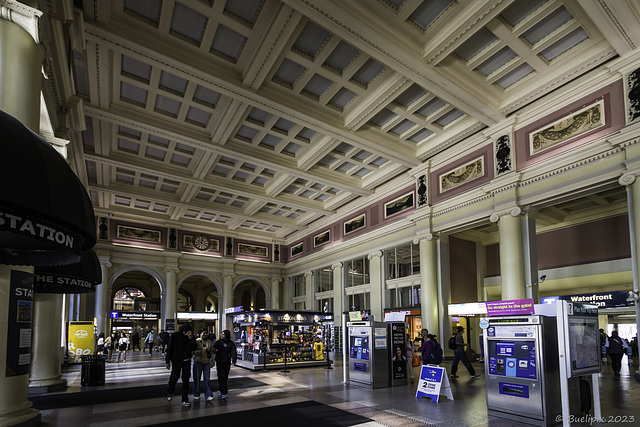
{"x": 360, "y": 348}
{"x": 513, "y": 359}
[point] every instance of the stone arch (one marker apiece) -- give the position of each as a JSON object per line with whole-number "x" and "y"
{"x": 147, "y": 270}
{"x": 265, "y": 288}
{"x": 215, "y": 281}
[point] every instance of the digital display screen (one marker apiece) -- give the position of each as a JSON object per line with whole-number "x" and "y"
{"x": 504, "y": 348}
{"x": 357, "y": 342}
{"x": 360, "y": 348}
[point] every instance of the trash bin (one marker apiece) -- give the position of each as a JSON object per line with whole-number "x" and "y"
{"x": 92, "y": 370}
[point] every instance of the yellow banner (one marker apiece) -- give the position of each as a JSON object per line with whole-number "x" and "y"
{"x": 80, "y": 340}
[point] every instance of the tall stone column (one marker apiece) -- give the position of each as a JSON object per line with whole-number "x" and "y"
{"x": 377, "y": 285}
{"x": 171, "y": 295}
{"x": 20, "y": 63}
{"x": 511, "y": 255}
{"x": 633, "y": 206}
{"x": 338, "y": 294}
{"x": 309, "y": 294}
{"x": 21, "y": 60}
{"x": 46, "y": 375}
{"x": 428, "y": 281}
{"x": 286, "y": 293}
{"x": 103, "y": 307}
{"x": 275, "y": 292}
{"x": 530, "y": 255}
{"x": 14, "y": 406}
{"x": 227, "y": 298}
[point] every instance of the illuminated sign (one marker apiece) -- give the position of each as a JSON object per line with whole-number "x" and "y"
{"x": 140, "y": 315}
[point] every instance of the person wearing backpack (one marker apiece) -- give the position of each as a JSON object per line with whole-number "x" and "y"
{"x": 431, "y": 351}
{"x": 459, "y": 355}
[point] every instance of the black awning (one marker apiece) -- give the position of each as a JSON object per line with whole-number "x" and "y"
{"x": 46, "y": 216}
{"x": 78, "y": 278}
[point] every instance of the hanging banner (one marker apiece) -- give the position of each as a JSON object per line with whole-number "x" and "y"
{"x": 80, "y": 340}
{"x": 19, "y": 323}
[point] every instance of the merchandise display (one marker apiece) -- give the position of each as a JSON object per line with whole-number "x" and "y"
{"x": 266, "y": 339}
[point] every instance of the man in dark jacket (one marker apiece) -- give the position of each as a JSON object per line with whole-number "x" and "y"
{"x": 225, "y": 354}
{"x": 178, "y": 359}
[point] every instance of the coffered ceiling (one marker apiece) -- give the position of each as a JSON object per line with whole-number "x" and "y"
{"x": 265, "y": 118}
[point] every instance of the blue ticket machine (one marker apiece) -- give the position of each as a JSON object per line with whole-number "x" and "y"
{"x": 521, "y": 367}
{"x": 368, "y": 354}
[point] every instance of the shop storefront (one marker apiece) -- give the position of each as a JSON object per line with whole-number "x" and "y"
{"x": 271, "y": 338}
{"x": 206, "y": 320}
{"x": 413, "y": 318}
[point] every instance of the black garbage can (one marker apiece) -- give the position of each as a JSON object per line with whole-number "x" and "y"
{"x": 92, "y": 370}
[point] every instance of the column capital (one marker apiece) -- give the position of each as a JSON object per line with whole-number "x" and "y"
{"x": 629, "y": 177}
{"x": 229, "y": 275}
{"x": 171, "y": 270}
{"x": 276, "y": 279}
{"x": 428, "y": 236}
{"x": 336, "y": 266}
{"x": 375, "y": 254}
{"x": 308, "y": 274}
{"x": 514, "y": 211}
{"x": 22, "y": 15}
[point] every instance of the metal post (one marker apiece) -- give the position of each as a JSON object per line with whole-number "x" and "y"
{"x": 285, "y": 361}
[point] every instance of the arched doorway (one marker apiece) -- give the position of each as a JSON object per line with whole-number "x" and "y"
{"x": 250, "y": 295}
{"x": 198, "y": 302}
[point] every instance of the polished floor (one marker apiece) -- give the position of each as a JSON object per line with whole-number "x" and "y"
{"x": 133, "y": 396}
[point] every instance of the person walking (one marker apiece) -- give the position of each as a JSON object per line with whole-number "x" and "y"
{"x": 148, "y": 341}
{"x": 460, "y": 356}
{"x": 202, "y": 365}
{"x": 615, "y": 348}
{"x": 225, "y": 354}
{"x": 123, "y": 346}
{"x": 181, "y": 346}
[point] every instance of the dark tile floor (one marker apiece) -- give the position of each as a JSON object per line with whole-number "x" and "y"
{"x": 133, "y": 396}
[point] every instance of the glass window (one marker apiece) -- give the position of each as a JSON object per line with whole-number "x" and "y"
{"x": 125, "y": 298}
{"x": 324, "y": 279}
{"x": 299, "y": 286}
{"x": 357, "y": 272}
{"x": 325, "y": 305}
{"x": 403, "y": 261}
{"x": 360, "y": 302}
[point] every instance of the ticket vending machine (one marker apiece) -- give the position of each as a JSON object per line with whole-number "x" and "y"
{"x": 522, "y": 373}
{"x": 368, "y": 354}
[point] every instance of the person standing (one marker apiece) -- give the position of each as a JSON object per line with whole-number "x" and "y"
{"x": 109, "y": 343}
{"x": 123, "y": 346}
{"x": 460, "y": 356}
{"x": 148, "y": 341}
{"x": 409, "y": 351}
{"x": 615, "y": 348}
{"x": 100, "y": 348}
{"x": 135, "y": 341}
{"x": 202, "y": 365}
{"x": 225, "y": 354}
{"x": 181, "y": 346}
{"x": 165, "y": 340}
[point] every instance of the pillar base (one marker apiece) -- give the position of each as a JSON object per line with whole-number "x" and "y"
{"x": 31, "y": 418}
{"x": 38, "y": 387}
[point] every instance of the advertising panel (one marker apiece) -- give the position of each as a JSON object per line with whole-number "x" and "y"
{"x": 80, "y": 340}
{"x": 19, "y": 323}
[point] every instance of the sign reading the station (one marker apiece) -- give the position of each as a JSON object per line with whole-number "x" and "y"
{"x": 514, "y": 307}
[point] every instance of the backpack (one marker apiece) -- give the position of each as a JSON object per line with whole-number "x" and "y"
{"x": 452, "y": 343}
{"x": 435, "y": 357}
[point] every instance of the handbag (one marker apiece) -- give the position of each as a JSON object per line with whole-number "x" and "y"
{"x": 416, "y": 361}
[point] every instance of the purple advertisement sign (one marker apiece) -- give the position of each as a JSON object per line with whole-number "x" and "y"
{"x": 510, "y": 307}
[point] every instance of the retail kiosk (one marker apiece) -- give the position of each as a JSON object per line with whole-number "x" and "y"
{"x": 269, "y": 339}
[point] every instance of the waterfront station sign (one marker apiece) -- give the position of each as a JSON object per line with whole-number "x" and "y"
{"x": 600, "y": 299}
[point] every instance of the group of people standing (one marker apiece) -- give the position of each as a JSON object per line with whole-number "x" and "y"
{"x": 183, "y": 347}
{"x": 432, "y": 353}
{"x": 115, "y": 342}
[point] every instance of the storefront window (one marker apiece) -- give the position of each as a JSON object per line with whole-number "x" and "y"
{"x": 360, "y": 301}
{"x": 357, "y": 272}
{"x": 403, "y": 261}
{"x": 325, "y": 305}
{"x": 324, "y": 279}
